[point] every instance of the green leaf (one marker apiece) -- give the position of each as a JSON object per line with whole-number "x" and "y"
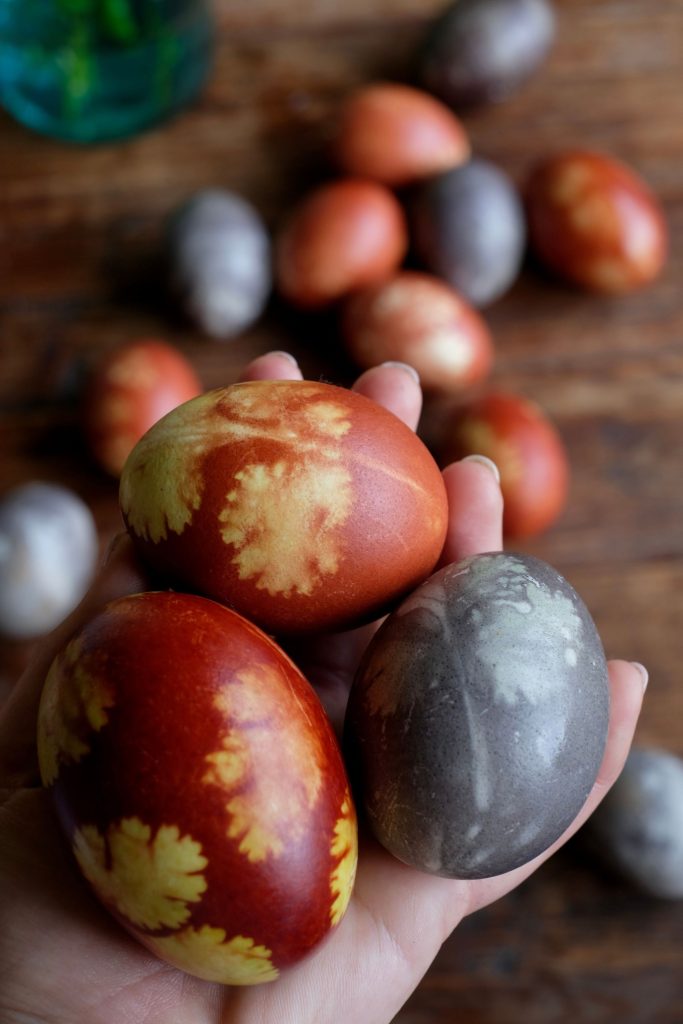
{"x": 118, "y": 20}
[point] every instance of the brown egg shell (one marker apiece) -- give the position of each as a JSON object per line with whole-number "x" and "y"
{"x": 594, "y": 222}
{"x": 525, "y": 445}
{"x": 396, "y": 134}
{"x": 198, "y": 780}
{"x": 302, "y": 505}
{"x": 130, "y": 390}
{"x": 345, "y": 235}
{"x": 420, "y": 320}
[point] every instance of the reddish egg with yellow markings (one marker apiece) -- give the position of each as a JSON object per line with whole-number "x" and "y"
{"x": 594, "y": 222}
{"x": 200, "y": 785}
{"x": 420, "y": 320}
{"x": 301, "y": 505}
{"x": 131, "y": 388}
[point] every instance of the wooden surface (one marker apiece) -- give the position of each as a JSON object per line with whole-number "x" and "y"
{"x": 78, "y": 238}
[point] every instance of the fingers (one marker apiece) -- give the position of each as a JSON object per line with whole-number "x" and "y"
{"x": 475, "y": 505}
{"x": 272, "y": 366}
{"x": 18, "y": 760}
{"x": 396, "y": 386}
{"x": 627, "y": 686}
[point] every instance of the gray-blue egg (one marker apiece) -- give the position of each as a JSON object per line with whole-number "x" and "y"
{"x": 469, "y": 228}
{"x": 478, "y": 718}
{"x": 638, "y": 827}
{"x": 220, "y": 262}
{"x": 48, "y": 554}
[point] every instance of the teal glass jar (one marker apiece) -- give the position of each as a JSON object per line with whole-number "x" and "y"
{"x": 93, "y": 70}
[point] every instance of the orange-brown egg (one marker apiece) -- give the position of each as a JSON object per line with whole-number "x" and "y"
{"x": 200, "y": 785}
{"x": 302, "y": 505}
{"x": 343, "y": 236}
{"x": 420, "y": 320}
{"x": 396, "y": 134}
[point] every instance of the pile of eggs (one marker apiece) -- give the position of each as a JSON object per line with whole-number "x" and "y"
{"x": 195, "y": 774}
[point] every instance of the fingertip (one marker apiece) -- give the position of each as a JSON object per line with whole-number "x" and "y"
{"x": 475, "y": 503}
{"x": 396, "y": 386}
{"x": 272, "y": 366}
{"x": 627, "y": 687}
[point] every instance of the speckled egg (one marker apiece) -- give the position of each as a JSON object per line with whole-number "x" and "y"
{"x": 200, "y": 785}
{"x": 48, "y": 553}
{"x": 302, "y": 505}
{"x": 478, "y": 719}
{"x": 638, "y": 827}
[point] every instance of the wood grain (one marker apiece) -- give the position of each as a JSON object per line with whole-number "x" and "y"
{"x": 80, "y": 235}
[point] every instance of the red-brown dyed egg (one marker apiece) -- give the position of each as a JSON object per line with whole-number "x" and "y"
{"x": 595, "y": 223}
{"x": 418, "y": 319}
{"x": 129, "y": 390}
{"x": 200, "y": 786}
{"x": 396, "y": 134}
{"x": 526, "y": 447}
{"x": 302, "y": 505}
{"x": 345, "y": 235}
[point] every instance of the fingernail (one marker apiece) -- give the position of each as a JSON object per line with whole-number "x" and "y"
{"x": 284, "y": 355}
{"x": 406, "y": 367}
{"x": 644, "y": 674}
{"x": 483, "y": 460}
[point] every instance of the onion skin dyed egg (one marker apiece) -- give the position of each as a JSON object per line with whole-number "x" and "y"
{"x": 199, "y": 783}
{"x": 595, "y": 223}
{"x": 638, "y": 828}
{"x": 130, "y": 389}
{"x": 528, "y": 450}
{"x": 343, "y": 236}
{"x": 396, "y": 134}
{"x": 478, "y": 718}
{"x": 417, "y": 319}
{"x": 301, "y": 505}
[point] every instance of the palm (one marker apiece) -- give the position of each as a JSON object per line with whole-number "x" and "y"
{"x": 63, "y": 959}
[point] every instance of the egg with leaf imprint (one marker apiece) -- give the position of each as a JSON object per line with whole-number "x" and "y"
{"x": 302, "y": 505}
{"x": 200, "y": 785}
{"x": 477, "y": 722}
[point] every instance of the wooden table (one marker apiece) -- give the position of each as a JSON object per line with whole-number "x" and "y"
{"x": 78, "y": 231}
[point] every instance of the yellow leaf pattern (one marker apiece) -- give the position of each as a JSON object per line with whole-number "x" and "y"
{"x": 276, "y": 771}
{"x": 74, "y": 705}
{"x": 205, "y": 953}
{"x": 148, "y": 881}
{"x": 345, "y": 847}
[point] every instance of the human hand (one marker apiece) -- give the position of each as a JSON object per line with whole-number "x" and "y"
{"x": 63, "y": 959}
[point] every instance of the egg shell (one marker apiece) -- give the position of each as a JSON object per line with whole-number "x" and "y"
{"x": 200, "y": 785}
{"x": 468, "y": 227}
{"x": 344, "y": 235}
{"x": 302, "y": 505}
{"x": 477, "y": 721}
{"x": 396, "y": 134}
{"x": 420, "y": 320}
{"x": 530, "y": 454}
{"x": 594, "y": 222}
{"x": 638, "y": 827}
{"x": 481, "y": 51}
{"x": 220, "y": 261}
{"x": 48, "y": 553}
{"x": 131, "y": 388}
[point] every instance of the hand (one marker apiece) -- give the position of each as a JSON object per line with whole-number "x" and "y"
{"x": 63, "y": 959}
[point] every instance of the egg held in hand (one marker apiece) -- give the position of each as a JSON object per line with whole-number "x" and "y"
{"x": 302, "y": 505}
{"x": 478, "y": 718}
{"x": 199, "y": 783}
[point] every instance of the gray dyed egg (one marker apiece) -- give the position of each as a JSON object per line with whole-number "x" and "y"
{"x": 48, "y": 554}
{"x": 469, "y": 229}
{"x": 480, "y": 51}
{"x": 221, "y": 262}
{"x": 638, "y": 827}
{"x": 478, "y": 718}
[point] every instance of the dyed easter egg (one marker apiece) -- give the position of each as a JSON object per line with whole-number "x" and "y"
{"x": 478, "y": 718}
{"x": 199, "y": 783}
{"x": 302, "y": 505}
